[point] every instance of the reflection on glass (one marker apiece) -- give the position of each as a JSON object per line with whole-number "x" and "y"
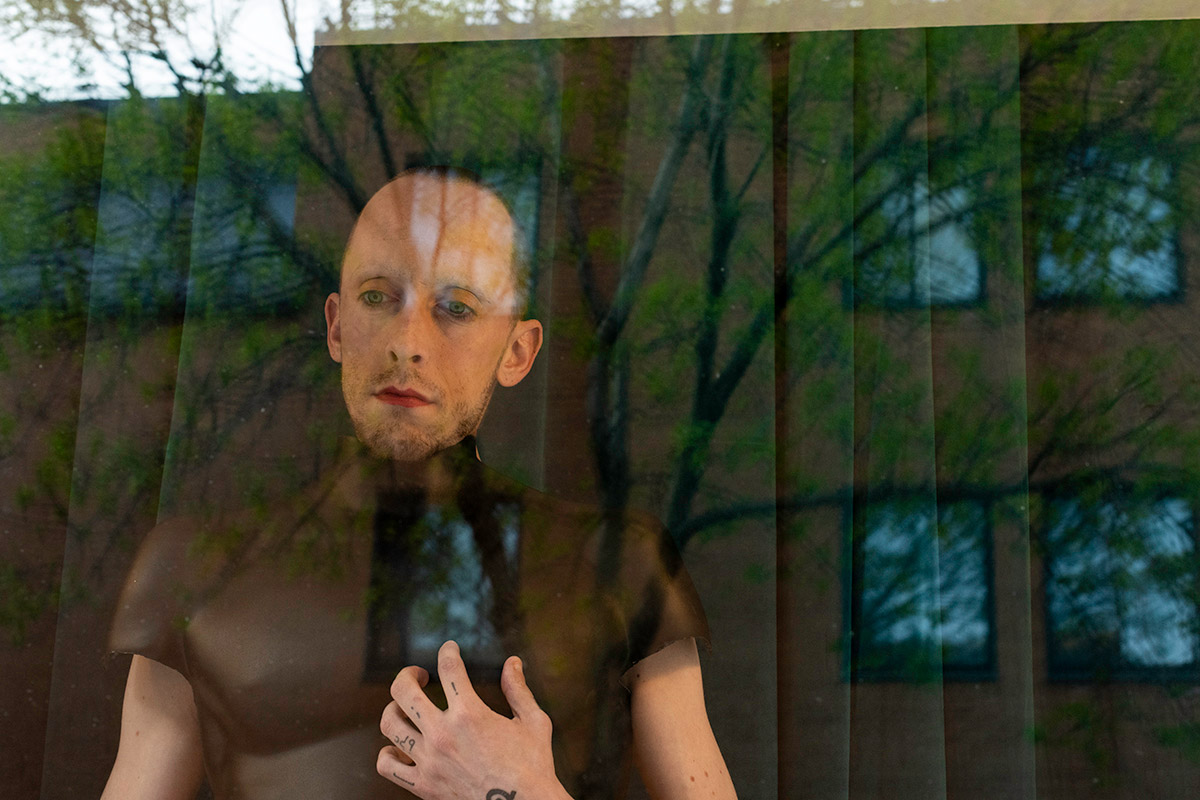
{"x": 1120, "y": 589}
{"x": 239, "y": 258}
{"x": 461, "y": 607}
{"x": 927, "y": 257}
{"x": 921, "y": 604}
{"x": 1113, "y": 232}
{"x": 131, "y": 269}
{"x": 428, "y": 585}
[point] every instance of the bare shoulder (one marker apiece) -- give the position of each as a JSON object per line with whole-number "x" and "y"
{"x": 674, "y": 665}
{"x": 677, "y": 754}
{"x": 159, "y": 755}
{"x": 158, "y": 694}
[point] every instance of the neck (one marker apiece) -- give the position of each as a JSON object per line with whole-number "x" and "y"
{"x": 438, "y": 478}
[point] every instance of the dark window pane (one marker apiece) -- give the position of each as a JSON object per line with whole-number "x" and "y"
{"x": 1120, "y": 590}
{"x": 1110, "y": 231}
{"x": 921, "y": 605}
{"x": 925, "y": 255}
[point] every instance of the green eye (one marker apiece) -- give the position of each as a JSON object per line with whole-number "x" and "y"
{"x": 458, "y": 308}
{"x": 373, "y": 297}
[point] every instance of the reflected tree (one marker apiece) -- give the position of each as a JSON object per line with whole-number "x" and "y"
{"x": 948, "y": 129}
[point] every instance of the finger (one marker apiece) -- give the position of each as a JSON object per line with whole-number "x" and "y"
{"x": 413, "y": 674}
{"x": 403, "y": 757}
{"x": 409, "y": 694}
{"x": 520, "y": 699}
{"x": 389, "y": 765}
{"x": 396, "y": 726}
{"x": 452, "y": 673}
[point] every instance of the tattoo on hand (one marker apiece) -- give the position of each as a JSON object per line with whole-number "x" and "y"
{"x": 406, "y": 783}
{"x": 500, "y": 794}
{"x": 414, "y": 710}
{"x": 407, "y": 743}
{"x": 455, "y": 688}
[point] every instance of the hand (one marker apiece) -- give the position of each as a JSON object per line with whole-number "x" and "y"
{"x": 468, "y": 751}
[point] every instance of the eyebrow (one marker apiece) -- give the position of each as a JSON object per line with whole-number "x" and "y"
{"x": 365, "y": 281}
{"x": 479, "y": 294}
{"x": 483, "y": 298}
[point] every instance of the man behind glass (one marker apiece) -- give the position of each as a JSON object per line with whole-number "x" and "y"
{"x": 256, "y": 677}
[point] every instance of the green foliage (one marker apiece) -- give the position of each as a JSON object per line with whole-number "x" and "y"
{"x": 933, "y": 109}
{"x": 985, "y": 424}
{"x": 1184, "y": 737}
{"x": 49, "y": 220}
{"x": 21, "y": 604}
{"x": 757, "y": 574}
{"x": 52, "y": 475}
{"x": 8, "y": 424}
{"x": 1086, "y": 726}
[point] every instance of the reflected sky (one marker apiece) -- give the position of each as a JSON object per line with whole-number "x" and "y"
{"x": 1124, "y": 204}
{"x": 458, "y": 604}
{"x": 924, "y": 588}
{"x": 252, "y": 36}
{"x": 256, "y": 47}
{"x": 928, "y": 257}
{"x": 1119, "y": 583}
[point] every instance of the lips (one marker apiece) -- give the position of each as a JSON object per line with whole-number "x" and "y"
{"x": 408, "y": 398}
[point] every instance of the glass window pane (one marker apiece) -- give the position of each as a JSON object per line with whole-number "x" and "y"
{"x": 925, "y": 255}
{"x": 1121, "y": 587}
{"x": 922, "y": 592}
{"x": 1111, "y": 232}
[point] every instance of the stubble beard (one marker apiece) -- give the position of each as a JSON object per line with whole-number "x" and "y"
{"x": 396, "y": 438}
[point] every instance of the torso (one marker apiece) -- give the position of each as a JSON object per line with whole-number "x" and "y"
{"x": 290, "y": 650}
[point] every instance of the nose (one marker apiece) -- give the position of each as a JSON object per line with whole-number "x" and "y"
{"x": 409, "y": 335}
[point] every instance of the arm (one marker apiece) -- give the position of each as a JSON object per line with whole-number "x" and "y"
{"x": 673, "y": 742}
{"x": 469, "y": 751}
{"x": 159, "y": 756}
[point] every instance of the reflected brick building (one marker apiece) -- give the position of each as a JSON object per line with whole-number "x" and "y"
{"x": 895, "y": 331}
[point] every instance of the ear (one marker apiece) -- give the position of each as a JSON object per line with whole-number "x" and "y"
{"x": 523, "y": 345}
{"x": 333, "y": 324}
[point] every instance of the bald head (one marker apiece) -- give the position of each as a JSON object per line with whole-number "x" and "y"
{"x": 434, "y": 216}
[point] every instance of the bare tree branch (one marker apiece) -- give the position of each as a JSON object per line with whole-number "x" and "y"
{"x": 333, "y": 162}
{"x": 660, "y": 194}
{"x": 366, "y": 88}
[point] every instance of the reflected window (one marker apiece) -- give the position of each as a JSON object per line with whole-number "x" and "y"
{"x": 138, "y": 265}
{"x": 237, "y": 249}
{"x": 920, "y": 251}
{"x": 921, "y": 601}
{"x": 429, "y": 584}
{"x": 1108, "y": 230}
{"x": 240, "y": 258}
{"x": 1121, "y": 589}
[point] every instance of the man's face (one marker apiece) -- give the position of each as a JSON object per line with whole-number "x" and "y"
{"x": 425, "y": 323}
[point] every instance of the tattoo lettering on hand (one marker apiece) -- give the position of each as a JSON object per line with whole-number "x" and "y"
{"x": 406, "y": 783}
{"x": 414, "y": 710}
{"x": 455, "y": 688}
{"x": 500, "y": 794}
